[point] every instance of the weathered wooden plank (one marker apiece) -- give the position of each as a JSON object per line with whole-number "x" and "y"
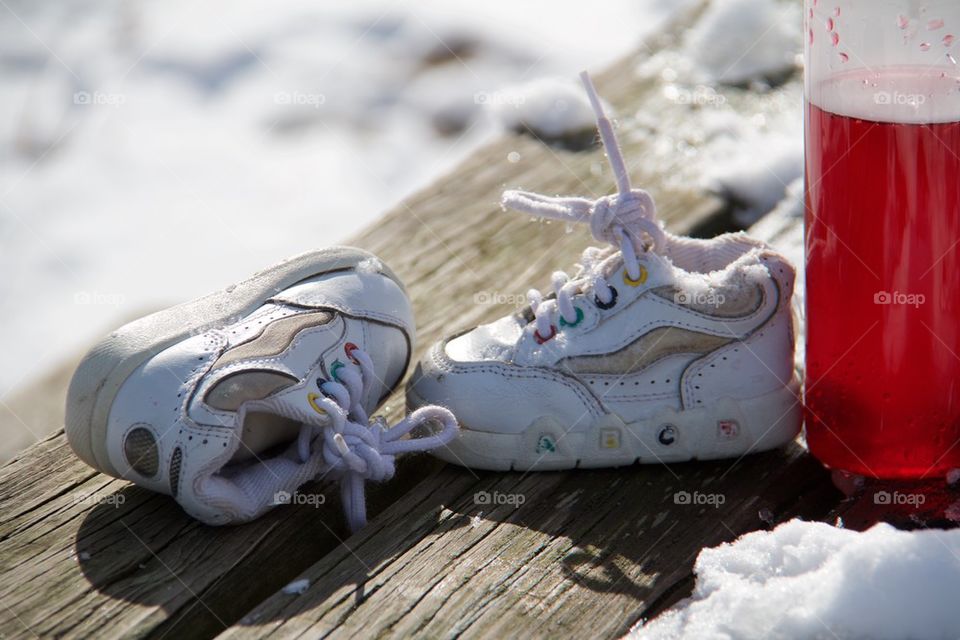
{"x": 101, "y": 557}
{"x": 582, "y": 555}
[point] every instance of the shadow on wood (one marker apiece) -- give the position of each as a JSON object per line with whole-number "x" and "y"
{"x": 544, "y": 553}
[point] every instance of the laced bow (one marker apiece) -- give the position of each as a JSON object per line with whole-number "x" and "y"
{"x": 353, "y": 448}
{"x": 626, "y": 220}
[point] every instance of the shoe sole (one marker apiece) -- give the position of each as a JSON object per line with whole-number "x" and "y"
{"x": 727, "y": 429}
{"x": 107, "y": 366}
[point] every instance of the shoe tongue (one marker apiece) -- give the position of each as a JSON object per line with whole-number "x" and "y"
{"x": 277, "y": 420}
{"x": 265, "y": 468}
{"x": 246, "y": 490}
{"x": 262, "y": 431}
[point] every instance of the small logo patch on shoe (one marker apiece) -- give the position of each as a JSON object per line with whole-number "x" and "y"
{"x": 728, "y": 429}
{"x": 667, "y": 435}
{"x": 546, "y": 445}
{"x": 610, "y": 438}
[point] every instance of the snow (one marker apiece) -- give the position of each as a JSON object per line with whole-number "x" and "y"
{"x": 549, "y": 107}
{"x": 297, "y": 587}
{"x": 751, "y": 43}
{"x": 739, "y": 41}
{"x": 812, "y": 580}
{"x": 757, "y": 173}
{"x": 155, "y": 151}
{"x": 747, "y": 157}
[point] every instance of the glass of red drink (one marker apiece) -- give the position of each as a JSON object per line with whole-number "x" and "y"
{"x": 882, "y": 84}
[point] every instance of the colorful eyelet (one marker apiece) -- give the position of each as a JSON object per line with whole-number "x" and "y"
{"x": 564, "y": 323}
{"x": 334, "y": 368}
{"x": 348, "y": 349}
{"x": 606, "y": 305}
{"x": 540, "y": 339}
{"x": 639, "y": 281}
{"x": 312, "y": 399}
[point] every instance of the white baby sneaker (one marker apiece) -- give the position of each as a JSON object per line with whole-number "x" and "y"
{"x": 231, "y": 402}
{"x": 659, "y": 349}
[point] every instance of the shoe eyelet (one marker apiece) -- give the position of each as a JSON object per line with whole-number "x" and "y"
{"x": 564, "y": 323}
{"x": 323, "y": 392}
{"x": 334, "y": 368}
{"x": 606, "y": 305}
{"x": 348, "y": 349}
{"x": 541, "y": 339}
{"x": 312, "y": 399}
{"x": 639, "y": 281}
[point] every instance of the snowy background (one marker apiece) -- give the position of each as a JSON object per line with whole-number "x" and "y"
{"x": 154, "y": 151}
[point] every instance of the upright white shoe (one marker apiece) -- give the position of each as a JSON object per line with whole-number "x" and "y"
{"x": 231, "y": 402}
{"x": 659, "y": 349}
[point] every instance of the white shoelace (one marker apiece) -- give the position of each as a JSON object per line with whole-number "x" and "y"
{"x": 355, "y": 450}
{"x": 626, "y": 220}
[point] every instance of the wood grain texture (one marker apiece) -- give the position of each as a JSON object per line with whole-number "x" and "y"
{"x": 587, "y": 553}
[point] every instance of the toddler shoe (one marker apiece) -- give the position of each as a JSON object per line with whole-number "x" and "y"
{"x": 229, "y": 403}
{"x": 659, "y": 349}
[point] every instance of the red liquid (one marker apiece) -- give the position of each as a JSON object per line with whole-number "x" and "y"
{"x": 883, "y": 215}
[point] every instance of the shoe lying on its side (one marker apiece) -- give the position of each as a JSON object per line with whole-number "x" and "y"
{"x": 660, "y": 349}
{"x": 229, "y": 403}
